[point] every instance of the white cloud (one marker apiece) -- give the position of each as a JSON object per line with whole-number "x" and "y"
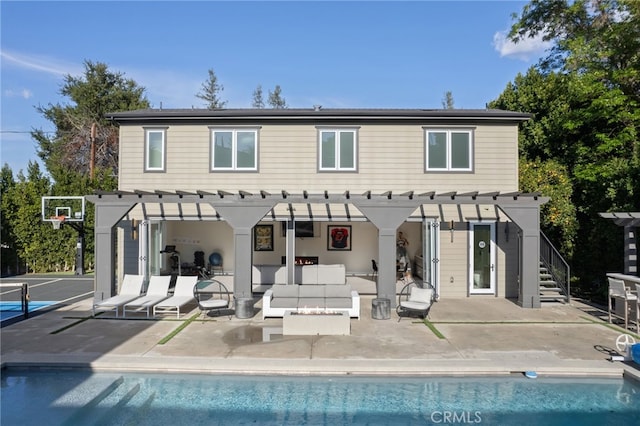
{"x": 41, "y": 63}
{"x": 523, "y": 50}
{"x": 23, "y": 93}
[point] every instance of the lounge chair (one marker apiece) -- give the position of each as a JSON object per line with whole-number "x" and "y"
{"x": 157, "y": 291}
{"x": 618, "y": 291}
{"x": 416, "y": 300}
{"x": 211, "y": 295}
{"x": 130, "y": 290}
{"x": 182, "y": 295}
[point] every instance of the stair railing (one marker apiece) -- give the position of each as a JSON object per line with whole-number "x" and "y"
{"x": 556, "y": 265}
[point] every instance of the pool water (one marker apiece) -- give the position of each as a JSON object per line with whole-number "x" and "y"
{"x": 77, "y": 397}
{"x": 9, "y": 310}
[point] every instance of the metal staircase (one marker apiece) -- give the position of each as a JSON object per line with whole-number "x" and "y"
{"x": 555, "y": 276}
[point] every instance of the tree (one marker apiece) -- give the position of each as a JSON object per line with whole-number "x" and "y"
{"x": 67, "y": 157}
{"x": 9, "y": 253}
{"x": 210, "y": 92}
{"x": 93, "y": 95}
{"x": 447, "y": 101}
{"x": 276, "y": 100}
{"x": 597, "y": 36}
{"x": 34, "y": 241}
{"x": 558, "y": 216}
{"x": 584, "y": 97}
{"x": 258, "y": 102}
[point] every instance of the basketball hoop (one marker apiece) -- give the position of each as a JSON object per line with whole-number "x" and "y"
{"x": 57, "y": 221}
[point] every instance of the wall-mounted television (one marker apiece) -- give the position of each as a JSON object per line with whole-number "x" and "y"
{"x": 304, "y": 229}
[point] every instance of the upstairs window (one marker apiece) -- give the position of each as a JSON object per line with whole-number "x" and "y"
{"x": 338, "y": 149}
{"x": 155, "y": 150}
{"x": 448, "y": 150}
{"x": 234, "y": 149}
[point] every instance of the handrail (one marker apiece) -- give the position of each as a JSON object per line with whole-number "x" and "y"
{"x": 556, "y": 265}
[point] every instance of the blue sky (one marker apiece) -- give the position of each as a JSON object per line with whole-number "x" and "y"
{"x": 381, "y": 54}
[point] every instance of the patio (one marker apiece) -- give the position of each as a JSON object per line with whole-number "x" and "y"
{"x": 469, "y": 337}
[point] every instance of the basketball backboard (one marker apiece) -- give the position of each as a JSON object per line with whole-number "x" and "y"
{"x": 71, "y": 207}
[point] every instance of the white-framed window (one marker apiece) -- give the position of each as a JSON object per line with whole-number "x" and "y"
{"x": 448, "y": 149}
{"x": 338, "y": 149}
{"x": 155, "y": 149}
{"x": 234, "y": 149}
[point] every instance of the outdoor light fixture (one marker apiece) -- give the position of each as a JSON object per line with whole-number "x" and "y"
{"x": 452, "y": 228}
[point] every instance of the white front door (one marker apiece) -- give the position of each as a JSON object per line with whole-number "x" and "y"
{"x": 482, "y": 258}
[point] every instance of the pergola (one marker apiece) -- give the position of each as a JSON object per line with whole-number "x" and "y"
{"x": 242, "y": 210}
{"x": 630, "y": 222}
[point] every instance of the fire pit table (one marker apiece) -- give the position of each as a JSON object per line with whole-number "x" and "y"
{"x": 311, "y": 323}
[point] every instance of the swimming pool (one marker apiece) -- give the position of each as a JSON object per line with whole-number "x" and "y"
{"x": 75, "y": 397}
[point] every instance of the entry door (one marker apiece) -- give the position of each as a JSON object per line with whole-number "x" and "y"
{"x": 431, "y": 253}
{"x": 482, "y": 256}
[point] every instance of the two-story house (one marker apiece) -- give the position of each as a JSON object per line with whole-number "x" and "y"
{"x": 437, "y": 189}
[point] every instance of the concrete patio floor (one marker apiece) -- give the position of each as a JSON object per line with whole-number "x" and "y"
{"x": 479, "y": 336}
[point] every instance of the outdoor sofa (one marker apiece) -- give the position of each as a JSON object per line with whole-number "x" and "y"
{"x": 321, "y": 288}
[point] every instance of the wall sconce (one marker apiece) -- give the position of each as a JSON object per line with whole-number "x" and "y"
{"x": 506, "y": 231}
{"x": 452, "y": 228}
{"x": 134, "y": 229}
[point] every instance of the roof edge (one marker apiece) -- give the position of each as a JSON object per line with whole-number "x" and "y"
{"x": 315, "y": 114}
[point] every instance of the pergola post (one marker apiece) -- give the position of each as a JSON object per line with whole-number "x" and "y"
{"x": 242, "y": 217}
{"x": 527, "y": 218}
{"x": 630, "y": 221}
{"x": 107, "y": 215}
{"x": 387, "y": 217}
{"x": 630, "y": 250}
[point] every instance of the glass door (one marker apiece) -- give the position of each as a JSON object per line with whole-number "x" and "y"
{"x": 482, "y": 271}
{"x": 155, "y": 230}
{"x": 431, "y": 253}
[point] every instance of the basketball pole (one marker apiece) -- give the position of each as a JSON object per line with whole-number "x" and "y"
{"x": 79, "y": 226}
{"x": 68, "y": 210}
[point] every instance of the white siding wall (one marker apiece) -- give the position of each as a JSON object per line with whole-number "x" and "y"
{"x": 391, "y": 157}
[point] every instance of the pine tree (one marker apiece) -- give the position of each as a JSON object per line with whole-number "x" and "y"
{"x": 258, "y": 101}
{"x": 276, "y": 100}
{"x": 210, "y": 92}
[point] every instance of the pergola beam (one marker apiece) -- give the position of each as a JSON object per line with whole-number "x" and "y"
{"x": 242, "y": 196}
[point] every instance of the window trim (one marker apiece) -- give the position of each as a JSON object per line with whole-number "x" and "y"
{"x": 337, "y": 130}
{"x": 234, "y": 145}
{"x": 448, "y": 131}
{"x": 147, "y": 132}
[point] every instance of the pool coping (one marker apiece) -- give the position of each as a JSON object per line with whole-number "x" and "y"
{"x": 320, "y": 367}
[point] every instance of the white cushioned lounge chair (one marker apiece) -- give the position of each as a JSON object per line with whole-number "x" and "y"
{"x": 157, "y": 291}
{"x": 130, "y": 290}
{"x": 182, "y": 296}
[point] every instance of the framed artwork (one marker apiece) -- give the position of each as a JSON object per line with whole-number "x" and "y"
{"x": 263, "y": 238}
{"x": 339, "y": 237}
